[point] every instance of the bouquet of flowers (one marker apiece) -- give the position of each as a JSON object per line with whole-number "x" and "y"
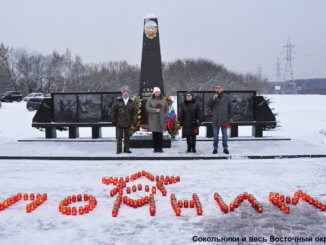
{"x": 158, "y": 105}
{"x": 173, "y": 124}
{"x": 226, "y": 125}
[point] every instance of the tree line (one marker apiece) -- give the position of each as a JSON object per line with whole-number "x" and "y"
{"x": 25, "y": 71}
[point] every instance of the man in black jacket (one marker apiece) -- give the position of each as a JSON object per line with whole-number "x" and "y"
{"x": 124, "y": 116}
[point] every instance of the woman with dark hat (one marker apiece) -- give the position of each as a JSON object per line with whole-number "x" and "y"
{"x": 190, "y": 119}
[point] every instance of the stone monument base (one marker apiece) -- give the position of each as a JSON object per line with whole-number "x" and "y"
{"x": 145, "y": 140}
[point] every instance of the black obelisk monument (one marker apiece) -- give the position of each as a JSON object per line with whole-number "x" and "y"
{"x": 151, "y": 64}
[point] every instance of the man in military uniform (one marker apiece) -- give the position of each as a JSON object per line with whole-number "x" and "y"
{"x": 123, "y": 117}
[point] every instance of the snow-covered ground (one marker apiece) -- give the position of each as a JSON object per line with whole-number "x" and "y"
{"x": 60, "y": 179}
{"x": 302, "y": 118}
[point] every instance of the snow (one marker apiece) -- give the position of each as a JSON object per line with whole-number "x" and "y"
{"x": 302, "y": 118}
{"x": 60, "y": 179}
{"x": 150, "y": 16}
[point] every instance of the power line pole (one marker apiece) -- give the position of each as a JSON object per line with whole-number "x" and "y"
{"x": 288, "y": 71}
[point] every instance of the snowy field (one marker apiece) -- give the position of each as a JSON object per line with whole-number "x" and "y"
{"x": 302, "y": 118}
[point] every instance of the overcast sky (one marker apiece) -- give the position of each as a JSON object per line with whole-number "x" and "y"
{"x": 240, "y": 34}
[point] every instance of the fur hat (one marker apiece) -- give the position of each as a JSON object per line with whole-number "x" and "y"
{"x": 125, "y": 88}
{"x": 156, "y": 89}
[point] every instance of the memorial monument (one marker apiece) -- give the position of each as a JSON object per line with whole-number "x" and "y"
{"x": 150, "y": 77}
{"x": 72, "y": 110}
{"x": 151, "y": 64}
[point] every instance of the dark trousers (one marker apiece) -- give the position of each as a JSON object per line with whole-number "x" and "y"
{"x": 157, "y": 141}
{"x": 191, "y": 142}
{"x": 125, "y": 134}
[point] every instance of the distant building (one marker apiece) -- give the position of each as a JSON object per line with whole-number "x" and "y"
{"x": 302, "y": 86}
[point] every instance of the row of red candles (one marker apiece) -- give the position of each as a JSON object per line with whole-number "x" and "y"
{"x": 139, "y": 187}
{"x": 65, "y": 209}
{"x": 40, "y": 199}
{"x": 180, "y": 204}
{"x": 116, "y": 181}
{"x": 37, "y": 201}
{"x": 134, "y": 188}
{"x": 134, "y": 203}
{"x": 278, "y": 200}
{"x": 237, "y": 201}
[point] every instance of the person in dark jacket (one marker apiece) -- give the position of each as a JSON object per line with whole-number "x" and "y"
{"x": 190, "y": 119}
{"x": 123, "y": 117}
{"x": 221, "y": 109}
{"x": 157, "y": 109}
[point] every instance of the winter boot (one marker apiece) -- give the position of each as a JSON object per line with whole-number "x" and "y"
{"x": 188, "y": 145}
{"x": 119, "y": 147}
{"x": 193, "y": 148}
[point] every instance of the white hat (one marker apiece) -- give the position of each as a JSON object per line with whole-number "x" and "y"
{"x": 156, "y": 89}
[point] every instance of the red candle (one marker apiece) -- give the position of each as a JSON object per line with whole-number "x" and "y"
{"x": 192, "y": 204}
{"x": 146, "y": 188}
{"x": 45, "y": 196}
{"x": 25, "y": 197}
{"x": 86, "y": 197}
{"x": 115, "y": 181}
{"x": 180, "y": 204}
{"x": 140, "y": 187}
{"x": 260, "y": 209}
{"x": 185, "y": 203}
{"x": 282, "y": 198}
{"x": 81, "y": 210}
{"x": 79, "y": 198}
{"x": 32, "y": 196}
{"x": 73, "y": 198}
{"x": 134, "y": 188}
{"x": 128, "y": 190}
{"x": 74, "y": 211}
{"x": 231, "y": 207}
{"x": 28, "y": 209}
{"x": 153, "y": 190}
{"x": 286, "y": 210}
